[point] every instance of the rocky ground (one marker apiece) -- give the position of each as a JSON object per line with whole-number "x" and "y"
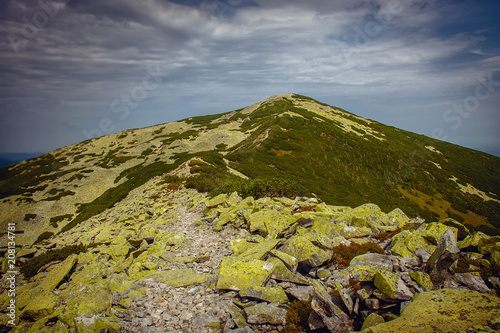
{"x": 171, "y": 260}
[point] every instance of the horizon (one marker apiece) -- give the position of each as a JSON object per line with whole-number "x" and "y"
{"x": 78, "y": 69}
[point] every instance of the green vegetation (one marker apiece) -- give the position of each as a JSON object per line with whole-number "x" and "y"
{"x": 45, "y": 235}
{"x": 56, "y": 219}
{"x": 28, "y": 216}
{"x": 297, "y": 317}
{"x": 32, "y": 266}
{"x": 57, "y": 194}
{"x": 171, "y": 137}
{"x": 263, "y": 187}
{"x": 111, "y": 159}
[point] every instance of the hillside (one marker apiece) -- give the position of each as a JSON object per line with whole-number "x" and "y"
{"x": 325, "y": 151}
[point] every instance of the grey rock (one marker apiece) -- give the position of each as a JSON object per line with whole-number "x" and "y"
{"x": 423, "y": 255}
{"x": 333, "y": 318}
{"x": 372, "y": 303}
{"x": 266, "y": 314}
{"x": 472, "y": 281}
{"x": 302, "y": 293}
{"x": 441, "y": 259}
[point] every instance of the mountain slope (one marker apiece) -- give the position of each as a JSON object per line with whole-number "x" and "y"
{"x": 340, "y": 157}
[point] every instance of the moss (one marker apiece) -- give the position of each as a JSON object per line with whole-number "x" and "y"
{"x": 297, "y": 317}
{"x": 342, "y": 254}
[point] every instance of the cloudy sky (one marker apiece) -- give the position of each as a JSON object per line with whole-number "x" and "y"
{"x": 73, "y": 69}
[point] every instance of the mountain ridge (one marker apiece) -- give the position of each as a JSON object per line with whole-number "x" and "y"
{"x": 342, "y": 158}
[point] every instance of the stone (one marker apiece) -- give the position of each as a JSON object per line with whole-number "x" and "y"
{"x": 323, "y": 274}
{"x": 217, "y": 201}
{"x": 178, "y": 277}
{"x": 406, "y": 244}
{"x": 315, "y": 322}
{"x": 302, "y": 293}
{"x": 58, "y": 273}
{"x": 259, "y": 250}
{"x": 473, "y": 240}
{"x": 238, "y": 274}
{"x": 267, "y": 294}
{"x": 365, "y": 291}
{"x": 331, "y": 315}
{"x": 441, "y": 259}
{"x": 423, "y": 279}
{"x": 365, "y": 266}
{"x": 462, "y": 230}
{"x": 240, "y": 245}
{"x": 372, "y": 320}
{"x": 266, "y": 314}
{"x": 205, "y": 321}
{"x": 41, "y": 306}
{"x": 372, "y": 303}
{"x": 282, "y": 273}
{"x": 444, "y": 310}
{"x": 433, "y": 231}
{"x": 367, "y": 215}
{"x": 396, "y": 218}
{"x": 489, "y": 245}
{"x": 306, "y": 252}
{"x": 290, "y": 261}
{"x": 392, "y": 285}
{"x": 472, "y": 281}
{"x": 423, "y": 255}
{"x": 270, "y": 223}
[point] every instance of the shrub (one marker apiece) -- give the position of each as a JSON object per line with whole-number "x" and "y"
{"x": 387, "y": 234}
{"x": 263, "y": 187}
{"x": 54, "y": 220}
{"x": 28, "y": 217}
{"x": 342, "y": 254}
{"x": 297, "y": 317}
{"x": 45, "y": 235}
{"x": 32, "y": 266}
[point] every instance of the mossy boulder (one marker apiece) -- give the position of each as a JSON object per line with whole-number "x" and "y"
{"x": 282, "y": 273}
{"x": 372, "y": 320}
{"x": 239, "y": 273}
{"x": 218, "y": 200}
{"x": 473, "y": 240}
{"x": 433, "y": 231}
{"x": 267, "y": 294}
{"x": 444, "y": 310}
{"x": 266, "y": 314}
{"x": 406, "y": 244}
{"x": 259, "y": 250}
{"x": 365, "y": 266}
{"x": 423, "y": 279}
{"x": 41, "y": 306}
{"x": 178, "y": 277}
{"x": 269, "y": 223}
{"x": 367, "y": 215}
{"x": 305, "y": 251}
{"x": 58, "y": 273}
{"x": 489, "y": 245}
{"x": 392, "y": 285}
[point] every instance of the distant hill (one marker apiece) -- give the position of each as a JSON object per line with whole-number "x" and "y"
{"x": 7, "y": 159}
{"x": 320, "y": 150}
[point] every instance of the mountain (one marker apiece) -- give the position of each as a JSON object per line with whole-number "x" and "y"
{"x": 313, "y": 148}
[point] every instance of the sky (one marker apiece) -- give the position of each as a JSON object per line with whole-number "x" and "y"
{"x": 75, "y": 69}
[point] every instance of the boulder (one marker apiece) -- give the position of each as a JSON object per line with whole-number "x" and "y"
{"x": 367, "y": 215}
{"x": 489, "y": 245}
{"x": 238, "y": 273}
{"x": 216, "y": 201}
{"x": 58, "y": 273}
{"x": 41, "y": 306}
{"x": 372, "y": 320}
{"x": 282, "y": 273}
{"x": 270, "y": 223}
{"x": 441, "y": 259}
{"x": 365, "y": 266}
{"x": 423, "y": 279}
{"x": 472, "y": 281}
{"x": 407, "y": 243}
{"x": 331, "y": 315}
{"x": 444, "y": 310}
{"x": 434, "y": 230}
{"x": 266, "y": 314}
{"x": 392, "y": 285}
{"x": 302, "y": 293}
{"x": 178, "y": 277}
{"x": 396, "y": 218}
{"x": 473, "y": 240}
{"x": 306, "y": 252}
{"x": 266, "y": 294}
{"x": 462, "y": 230}
{"x": 290, "y": 261}
{"x": 259, "y": 250}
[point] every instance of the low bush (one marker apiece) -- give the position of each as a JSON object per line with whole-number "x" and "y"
{"x": 297, "y": 317}
{"x": 263, "y": 187}
{"x": 342, "y": 254}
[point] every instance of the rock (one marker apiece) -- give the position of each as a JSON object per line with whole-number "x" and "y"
{"x": 290, "y": 261}
{"x": 367, "y": 215}
{"x": 433, "y": 231}
{"x": 306, "y": 252}
{"x": 441, "y": 259}
{"x": 323, "y": 274}
{"x": 216, "y": 201}
{"x": 41, "y": 306}
{"x": 238, "y": 274}
{"x": 302, "y": 293}
{"x": 372, "y": 303}
{"x": 331, "y": 315}
{"x": 348, "y": 297}
{"x": 259, "y": 250}
{"x": 407, "y": 243}
{"x": 270, "y": 223}
{"x": 397, "y": 218}
{"x": 315, "y": 322}
{"x": 372, "y": 320}
{"x": 282, "y": 273}
{"x": 423, "y": 279}
{"x": 365, "y": 291}
{"x": 58, "y": 273}
{"x": 489, "y": 244}
{"x": 266, "y": 314}
{"x": 473, "y": 281}
{"x": 462, "y": 230}
{"x": 365, "y": 266}
{"x": 177, "y": 277}
{"x": 392, "y": 285}
{"x": 472, "y": 240}
{"x": 240, "y": 245}
{"x": 267, "y": 294}
{"x": 444, "y": 310}
{"x": 423, "y": 255}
